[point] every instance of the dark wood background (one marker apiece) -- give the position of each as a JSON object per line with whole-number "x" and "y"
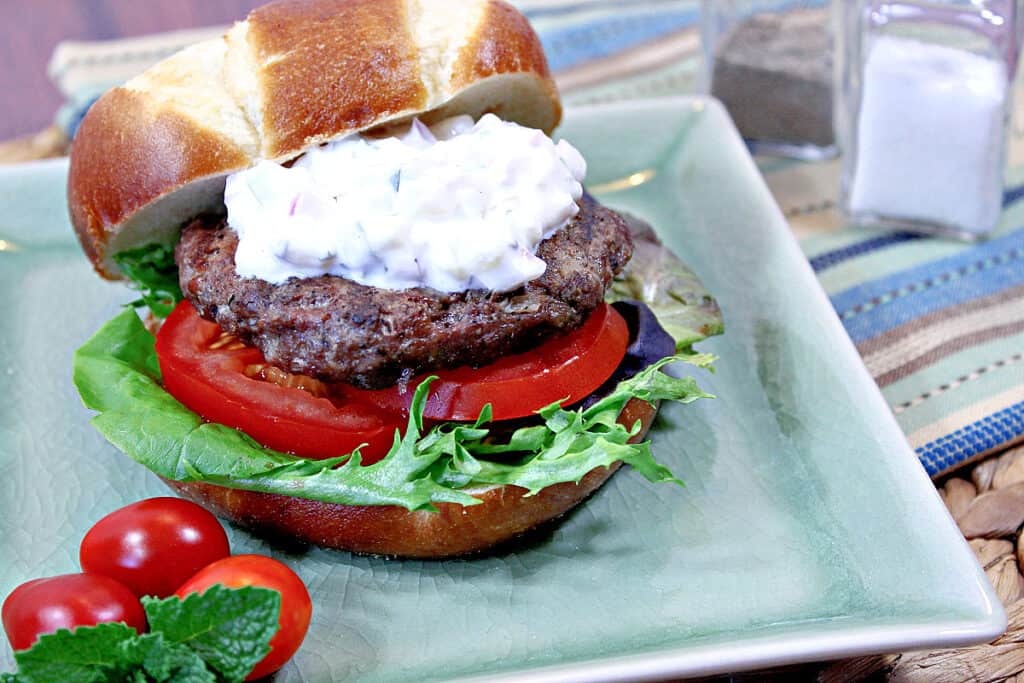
{"x": 29, "y": 30}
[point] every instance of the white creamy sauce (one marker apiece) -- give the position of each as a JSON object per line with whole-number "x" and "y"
{"x": 457, "y": 206}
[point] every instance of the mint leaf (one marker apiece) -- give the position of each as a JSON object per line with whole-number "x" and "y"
{"x": 114, "y": 372}
{"x": 227, "y": 628}
{"x": 216, "y": 637}
{"x": 159, "y": 660}
{"x": 152, "y": 271}
{"x": 92, "y": 654}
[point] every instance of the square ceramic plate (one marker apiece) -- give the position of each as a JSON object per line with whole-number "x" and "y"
{"x": 807, "y": 529}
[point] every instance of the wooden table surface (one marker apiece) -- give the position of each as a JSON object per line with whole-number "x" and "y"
{"x": 30, "y": 29}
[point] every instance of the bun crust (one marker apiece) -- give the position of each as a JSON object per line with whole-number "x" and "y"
{"x": 153, "y": 154}
{"x": 392, "y": 531}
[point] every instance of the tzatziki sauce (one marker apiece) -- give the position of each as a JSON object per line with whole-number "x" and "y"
{"x": 455, "y": 206}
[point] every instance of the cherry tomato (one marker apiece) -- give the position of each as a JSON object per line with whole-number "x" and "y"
{"x": 154, "y": 545}
{"x": 565, "y": 368}
{"x": 42, "y": 606}
{"x": 208, "y": 374}
{"x": 257, "y": 570}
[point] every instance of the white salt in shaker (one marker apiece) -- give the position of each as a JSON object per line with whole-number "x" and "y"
{"x": 925, "y": 96}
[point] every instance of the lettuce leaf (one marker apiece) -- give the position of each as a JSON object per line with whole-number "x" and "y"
{"x": 656, "y": 277}
{"x": 117, "y": 375}
{"x": 152, "y": 271}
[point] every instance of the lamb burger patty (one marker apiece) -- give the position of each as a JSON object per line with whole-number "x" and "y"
{"x": 338, "y": 330}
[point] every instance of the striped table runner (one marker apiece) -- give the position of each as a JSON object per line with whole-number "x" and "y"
{"x": 940, "y": 324}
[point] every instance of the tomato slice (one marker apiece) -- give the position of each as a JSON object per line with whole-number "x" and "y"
{"x": 206, "y": 371}
{"x": 220, "y": 378}
{"x": 566, "y": 368}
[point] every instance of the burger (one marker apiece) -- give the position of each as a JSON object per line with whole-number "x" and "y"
{"x": 384, "y": 315}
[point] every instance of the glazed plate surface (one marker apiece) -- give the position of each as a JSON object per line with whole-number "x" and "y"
{"x": 807, "y": 528}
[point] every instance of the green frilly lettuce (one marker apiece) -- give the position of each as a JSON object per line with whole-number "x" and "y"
{"x": 152, "y": 272}
{"x": 117, "y": 375}
{"x": 657, "y": 277}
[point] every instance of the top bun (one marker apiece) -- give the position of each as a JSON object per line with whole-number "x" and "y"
{"x": 154, "y": 153}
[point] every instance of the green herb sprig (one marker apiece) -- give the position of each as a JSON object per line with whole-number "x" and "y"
{"x": 215, "y": 637}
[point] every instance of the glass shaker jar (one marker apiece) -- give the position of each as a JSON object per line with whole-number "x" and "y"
{"x": 924, "y": 112}
{"x": 771, "y": 65}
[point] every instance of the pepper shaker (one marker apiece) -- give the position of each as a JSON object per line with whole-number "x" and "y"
{"x": 771, "y": 66}
{"x": 925, "y": 97}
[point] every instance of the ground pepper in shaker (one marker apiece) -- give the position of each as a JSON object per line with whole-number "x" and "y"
{"x": 772, "y": 68}
{"x": 925, "y": 109}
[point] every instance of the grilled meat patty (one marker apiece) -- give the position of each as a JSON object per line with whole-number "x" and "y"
{"x": 338, "y": 330}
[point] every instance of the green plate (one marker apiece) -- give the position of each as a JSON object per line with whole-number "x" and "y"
{"x": 807, "y": 529}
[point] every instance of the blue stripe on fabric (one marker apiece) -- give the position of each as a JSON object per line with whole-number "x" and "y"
{"x": 875, "y": 307}
{"x": 578, "y": 7}
{"x": 1013, "y": 194}
{"x": 572, "y": 45}
{"x": 837, "y": 256}
{"x": 976, "y": 438}
{"x": 76, "y": 120}
{"x": 629, "y": 26}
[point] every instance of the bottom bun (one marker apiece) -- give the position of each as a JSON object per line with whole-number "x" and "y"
{"x": 504, "y": 513}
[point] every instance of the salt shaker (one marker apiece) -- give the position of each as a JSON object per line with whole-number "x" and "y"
{"x": 924, "y": 111}
{"x": 771, "y": 65}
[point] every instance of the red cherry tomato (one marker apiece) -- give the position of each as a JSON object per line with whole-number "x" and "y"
{"x": 565, "y": 368}
{"x": 42, "y": 606}
{"x": 209, "y": 376}
{"x": 153, "y": 546}
{"x": 257, "y": 570}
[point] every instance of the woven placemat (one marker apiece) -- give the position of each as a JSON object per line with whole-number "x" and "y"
{"x": 986, "y": 500}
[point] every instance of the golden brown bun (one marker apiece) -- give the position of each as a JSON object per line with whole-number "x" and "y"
{"x": 297, "y": 73}
{"x": 455, "y": 530}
